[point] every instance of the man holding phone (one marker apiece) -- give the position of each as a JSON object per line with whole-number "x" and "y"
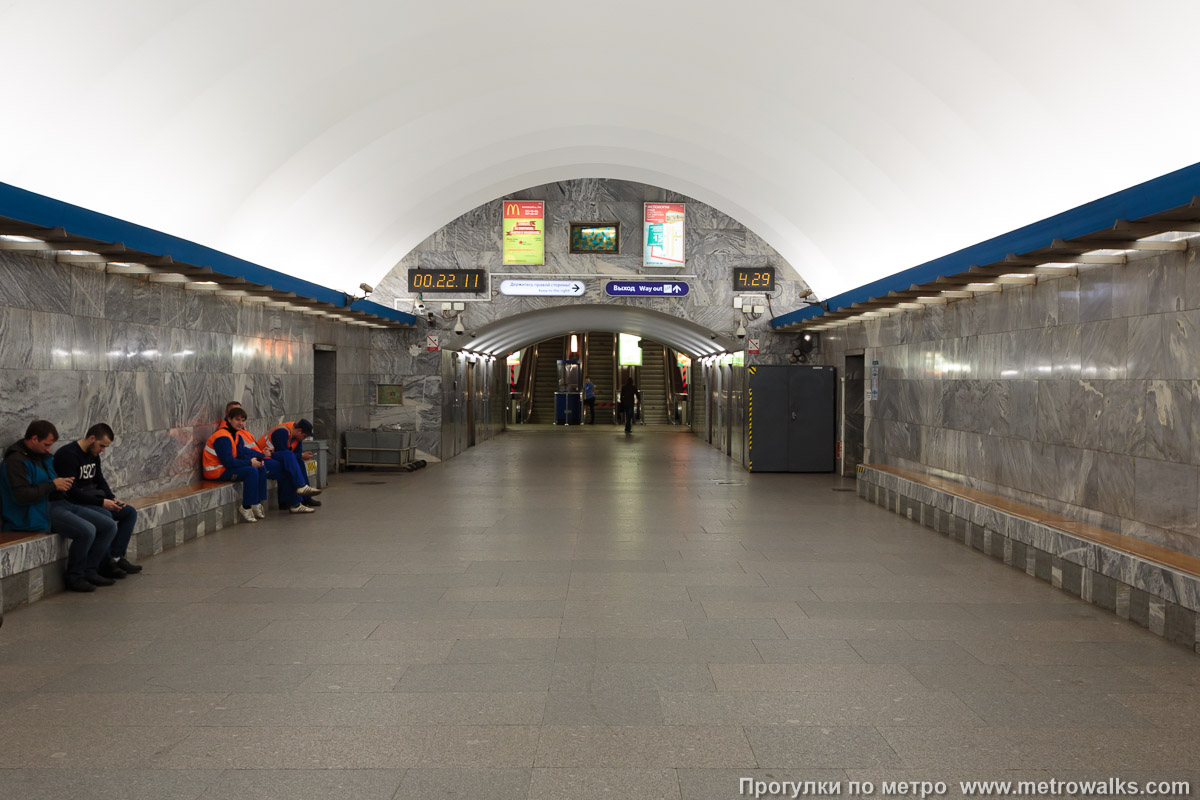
{"x": 81, "y": 460}
{"x": 33, "y": 498}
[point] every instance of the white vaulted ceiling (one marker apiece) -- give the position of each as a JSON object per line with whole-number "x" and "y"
{"x": 858, "y": 138}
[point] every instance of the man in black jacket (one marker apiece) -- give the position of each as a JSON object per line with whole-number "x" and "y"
{"x": 81, "y": 460}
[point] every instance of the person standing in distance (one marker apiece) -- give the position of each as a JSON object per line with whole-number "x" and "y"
{"x": 589, "y": 398}
{"x": 628, "y": 398}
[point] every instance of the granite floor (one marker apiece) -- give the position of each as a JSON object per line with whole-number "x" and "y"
{"x": 580, "y": 614}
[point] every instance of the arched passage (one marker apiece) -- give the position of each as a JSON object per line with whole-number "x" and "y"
{"x": 511, "y": 333}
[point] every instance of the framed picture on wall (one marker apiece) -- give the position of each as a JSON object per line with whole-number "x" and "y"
{"x": 595, "y": 237}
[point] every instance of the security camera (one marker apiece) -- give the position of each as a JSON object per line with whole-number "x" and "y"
{"x": 366, "y": 287}
{"x": 740, "y": 332}
{"x": 474, "y": 334}
{"x": 459, "y": 330}
{"x": 419, "y": 308}
{"x": 712, "y": 336}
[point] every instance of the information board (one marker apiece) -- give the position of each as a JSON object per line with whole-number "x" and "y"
{"x": 662, "y": 235}
{"x": 524, "y": 232}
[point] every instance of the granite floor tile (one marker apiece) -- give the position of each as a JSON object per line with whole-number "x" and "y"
{"x": 801, "y": 677}
{"x": 305, "y": 784}
{"x": 269, "y": 611}
{"x": 353, "y": 678}
{"x": 618, "y": 628}
{"x": 809, "y": 708}
{"x": 739, "y": 628}
{"x": 518, "y": 609}
{"x": 649, "y": 651}
{"x": 502, "y": 651}
{"x": 612, "y": 707}
{"x": 402, "y": 630}
{"x": 18, "y": 678}
{"x": 495, "y": 784}
{"x": 318, "y": 630}
{"x": 137, "y": 709}
{"x": 55, "y": 783}
{"x": 883, "y": 651}
{"x": 222, "y": 677}
{"x": 414, "y": 651}
{"x": 603, "y": 784}
{"x": 85, "y": 745}
{"x": 954, "y": 677}
{"x": 1060, "y": 710}
{"x": 808, "y": 651}
{"x": 804, "y": 628}
{"x": 297, "y": 709}
{"x": 826, "y": 747}
{"x": 520, "y": 677}
{"x": 643, "y": 747}
{"x": 333, "y": 748}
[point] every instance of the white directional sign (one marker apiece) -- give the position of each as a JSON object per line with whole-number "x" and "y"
{"x": 526, "y": 288}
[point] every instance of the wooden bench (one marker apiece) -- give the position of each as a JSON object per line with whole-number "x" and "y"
{"x": 32, "y": 565}
{"x": 1155, "y": 586}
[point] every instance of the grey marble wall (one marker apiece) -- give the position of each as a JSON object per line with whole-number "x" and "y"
{"x": 156, "y": 362}
{"x": 1080, "y": 395}
{"x": 715, "y": 243}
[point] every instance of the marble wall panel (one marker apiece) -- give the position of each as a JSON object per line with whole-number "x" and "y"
{"x": 34, "y": 283}
{"x": 1105, "y": 349}
{"x": 1095, "y": 293}
{"x": 1149, "y": 286}
{"x": 88, "y": 292}
{"x": 1166, "y": 495}
{"x": 1112, "y": 414}
{"x": 1172, "y": 409}
{"x": 128, "y": 300}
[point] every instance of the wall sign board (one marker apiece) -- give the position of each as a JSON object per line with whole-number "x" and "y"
{"x": 523, "y": 288}
{"x": 639, "y": 288}
{"x": 662, "y": 235}
{"x": 524, "y": 232}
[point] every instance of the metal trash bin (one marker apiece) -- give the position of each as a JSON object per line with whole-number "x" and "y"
{"x": 318, "y": 467}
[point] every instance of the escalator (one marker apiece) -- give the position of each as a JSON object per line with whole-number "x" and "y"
{"x": 545, "y": 380}
{"x": 601, "y": 358}
{"x": 653, "y": 384}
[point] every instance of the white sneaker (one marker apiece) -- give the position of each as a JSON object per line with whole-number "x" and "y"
{"x": 300, "y": 508}
{"x": 308, "y": 491}
{"x": 259, "y": 511}
{"x": 247, "y": 515}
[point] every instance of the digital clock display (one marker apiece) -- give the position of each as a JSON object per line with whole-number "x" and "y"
{"x": 447, "y": 280}
{"x": 760, "y": 279}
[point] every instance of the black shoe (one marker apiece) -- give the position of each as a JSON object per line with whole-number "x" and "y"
{"x": 98, "y": 579}
{"x": 127, "y": 567}
{"x": 81, "y": 585}
{"x": 311, "y": 503}
{"x": 109, "y": 569}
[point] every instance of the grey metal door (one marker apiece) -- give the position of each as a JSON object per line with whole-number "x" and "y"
{"x": 812, "y": 423}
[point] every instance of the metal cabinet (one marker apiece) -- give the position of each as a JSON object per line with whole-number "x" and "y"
{"x": 791, "y": 419}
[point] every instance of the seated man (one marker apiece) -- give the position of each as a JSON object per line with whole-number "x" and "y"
{"x": 81, "y": 460}
{"x": 32, "y": 499}
{"x": 283, "y": 443}
{"x": 227, "y": 458}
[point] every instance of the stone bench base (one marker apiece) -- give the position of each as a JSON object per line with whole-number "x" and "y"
{"x": 1161, "y": 599}
{"x": 35, "y": 567}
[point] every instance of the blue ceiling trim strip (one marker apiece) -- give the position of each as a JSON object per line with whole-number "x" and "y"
{"x": 36, "y": 209}
{"x": 1155, "y": 196}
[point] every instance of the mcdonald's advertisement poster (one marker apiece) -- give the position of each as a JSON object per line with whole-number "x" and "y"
{"x": 663, "y": 235}
{"x": 524, "y": 232}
